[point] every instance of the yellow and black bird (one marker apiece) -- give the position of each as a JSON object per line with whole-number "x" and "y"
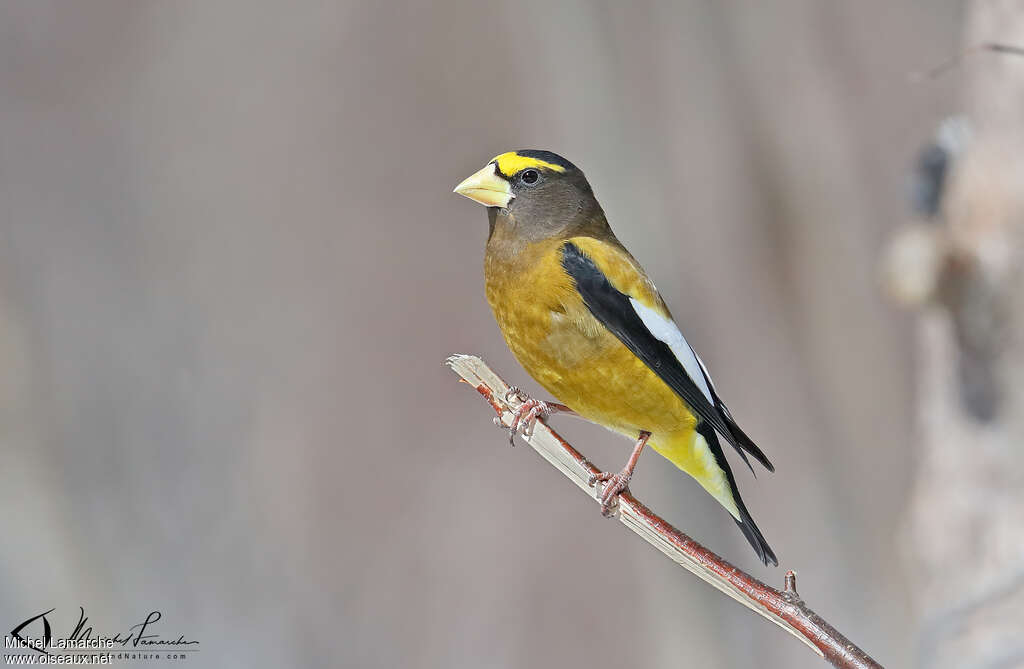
{"x": 581, "y": 316}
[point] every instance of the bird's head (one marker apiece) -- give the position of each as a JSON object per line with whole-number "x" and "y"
{"x": 539, "y": 190}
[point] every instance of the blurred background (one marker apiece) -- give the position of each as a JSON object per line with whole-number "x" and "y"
{"x": 232, "y": 266}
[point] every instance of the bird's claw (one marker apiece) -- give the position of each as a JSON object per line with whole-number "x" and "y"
{"x": 609, "y": 494}
{"x": 525, "y": 416}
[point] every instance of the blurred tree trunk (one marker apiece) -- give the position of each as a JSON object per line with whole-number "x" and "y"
{"x": 966, "y": 514}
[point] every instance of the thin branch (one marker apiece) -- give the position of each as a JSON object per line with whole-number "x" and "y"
{"x": 954, "y": 61}
{"x": 785, "y": 609}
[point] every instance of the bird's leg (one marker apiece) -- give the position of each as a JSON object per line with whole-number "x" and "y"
{"x": 616, "y": 483}
{"x": 525, "y": 416}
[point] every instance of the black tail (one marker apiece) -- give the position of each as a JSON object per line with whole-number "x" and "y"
{"x": 746, "y": 523}
{"x": 740, "y": 439}
{"x": 754, "y": 536}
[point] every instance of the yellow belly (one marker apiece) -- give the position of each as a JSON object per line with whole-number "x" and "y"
{"x": 604, "y": 382}
{"x": 586, "y": 367}
{"x": 579, "y": 361}
{"x": 600, "y": 379}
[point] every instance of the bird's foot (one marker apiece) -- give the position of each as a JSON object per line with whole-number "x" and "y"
{"x": 526, "y": 415}
{"x": 613, "y": 485}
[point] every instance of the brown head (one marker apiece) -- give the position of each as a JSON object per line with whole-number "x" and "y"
{"x": 535, "y": 195}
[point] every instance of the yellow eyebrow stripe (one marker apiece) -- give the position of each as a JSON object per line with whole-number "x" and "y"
{"x": 511, "y": 162}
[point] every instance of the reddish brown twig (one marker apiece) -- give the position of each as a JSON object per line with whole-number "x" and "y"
{"x": 784, "y": 608}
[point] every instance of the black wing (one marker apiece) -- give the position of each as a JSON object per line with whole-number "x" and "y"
{"x": 614, "y": 310}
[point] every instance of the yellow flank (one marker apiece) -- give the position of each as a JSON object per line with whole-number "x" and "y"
{"x": 569, "y": 352}
{"x": 511, "y": 162}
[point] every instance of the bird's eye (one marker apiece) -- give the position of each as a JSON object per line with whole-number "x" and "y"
{"x": 529, "y": 177}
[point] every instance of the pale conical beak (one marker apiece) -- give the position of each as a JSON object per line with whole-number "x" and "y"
{"x": 487, "y": 188}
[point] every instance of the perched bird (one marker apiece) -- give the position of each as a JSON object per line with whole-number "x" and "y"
{"x": 581, "y": 316}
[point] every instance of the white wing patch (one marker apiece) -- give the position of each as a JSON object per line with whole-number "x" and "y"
{"x": 704, "y": 368}
{"x": 666, "y": 331}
